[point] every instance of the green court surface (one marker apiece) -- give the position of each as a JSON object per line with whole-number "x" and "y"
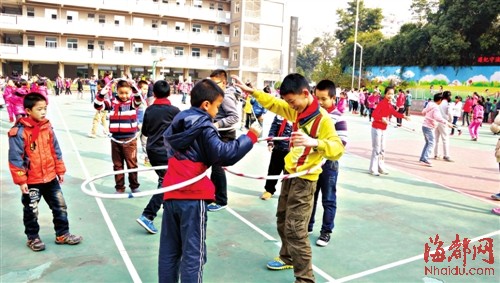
{"x": 381, "y": 229}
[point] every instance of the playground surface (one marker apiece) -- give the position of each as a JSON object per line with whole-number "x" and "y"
{"x": 384, "y": 228}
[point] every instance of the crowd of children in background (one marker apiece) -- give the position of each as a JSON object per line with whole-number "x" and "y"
{"x": 125, "y": 98}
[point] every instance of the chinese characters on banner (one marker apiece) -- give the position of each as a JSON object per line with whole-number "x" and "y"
{"x": 488, "y": 59}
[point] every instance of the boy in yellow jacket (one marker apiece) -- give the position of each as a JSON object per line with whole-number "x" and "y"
{"x": 313, "y": 138}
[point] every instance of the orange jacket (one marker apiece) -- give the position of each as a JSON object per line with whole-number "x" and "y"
{"x": 34, "y": 162}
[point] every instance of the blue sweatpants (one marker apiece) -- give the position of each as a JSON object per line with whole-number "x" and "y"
{"x": 182, "y": 241}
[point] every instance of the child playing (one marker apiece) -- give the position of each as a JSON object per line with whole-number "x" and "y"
{"x": 313, "y": 139}
{"x": 79, "y": 88}
{"x": 22, "y": 89}
{"x": 381, "y": 116}
{"x": 497, "y": 196}
{"x": 279, "y": 149}
{"x": 123, "y": 128}
{"x": 32, "y": 140}
{"x": 8, "y": 95}
{"x": 432, "y": 116}
{"x": 477, "y": 119}
{"x": 327, "y": 182}
{"x": 100, "y": 115}
{"x": 157, "y": 118}
{"x": 193, "y": 145}
{"x": 143, "y": 90}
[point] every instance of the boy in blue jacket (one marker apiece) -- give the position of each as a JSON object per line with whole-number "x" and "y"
{"x": 193, "y": 145}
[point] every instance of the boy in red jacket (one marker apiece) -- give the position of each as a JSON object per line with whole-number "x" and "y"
{"x": 32, "y": 140}
{"x": 193, "y": 145}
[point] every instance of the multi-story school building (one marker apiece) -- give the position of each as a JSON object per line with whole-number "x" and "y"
{"x": 173, "y": 38}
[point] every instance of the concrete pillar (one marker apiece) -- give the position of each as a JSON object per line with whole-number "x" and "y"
{"x": 95, "y": 70}
{"x": 60, "y": 69}
{"x": 185, "y": 74}
{"x": 26, "y": 68}
{"x": 126, "y": 71}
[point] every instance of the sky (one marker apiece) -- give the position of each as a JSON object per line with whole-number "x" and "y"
{"x": 318, "y": 16}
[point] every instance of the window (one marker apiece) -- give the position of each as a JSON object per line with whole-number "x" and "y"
{"x": 155, "y": 0}
{"x": 30, "y": 12}
{"x": 179, "y": 51}
{"x": 102, "y": 19}
{"x": 220, "y": 7}
{"x": 219, "y": 30}
{"x": 119, "y": 20}
{"x": 196, "y": 28}
{"x": 118, "y": 46}
{"x": 153, "y": 50}
{"x": 90, "y": 45}
{"x": 212, "y": 6}
{"x": 165, "y": 1}
{"x": 164, "y": 24}
{"x": 180, "y": 2}
{"x": 236, "y": 31}
{"x": 179, "y": 26}
{"x": 237, "y": 7}
{"x": 137, "y": 48}
{"x": 210, "y": 29}
{"x": 195, "y": 52}
{"x": 101, "y": 44}
{"x": 51, "y": 14}
{"x": 51, "y": 42}
{"x": 197, "y": 3}
{"x": 69, "y": 18}
{"x": 154, "y": 23}
{"x": 235, "y": 55}
{"x": 91, "y": 17}
{"x": 210, "y": 53}
{"x": 31, "y": 41}
{"x": 72, "y": 43}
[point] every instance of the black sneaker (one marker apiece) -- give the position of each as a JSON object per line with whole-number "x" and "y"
{"x": 323, "y": 239}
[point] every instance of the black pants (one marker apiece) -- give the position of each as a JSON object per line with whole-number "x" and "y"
{"x": 154, "y": 204}
{"x": 276, "y": 166}
{"x": 218, "y": 175}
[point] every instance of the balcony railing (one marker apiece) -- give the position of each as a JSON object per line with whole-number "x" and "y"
{"x": 147, "y": 7}
{"x": 105, "y": 57}
{"x": 89, "y": 28}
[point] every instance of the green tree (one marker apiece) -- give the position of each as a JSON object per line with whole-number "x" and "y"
{"x": 307, "y": 59}
{"x": 369, "y": 20}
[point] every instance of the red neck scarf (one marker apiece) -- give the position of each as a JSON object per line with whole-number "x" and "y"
{"x": 162, "y": 101}
{"x": 35, "y": 132}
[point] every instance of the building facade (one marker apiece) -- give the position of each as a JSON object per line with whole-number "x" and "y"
{"x": 168, "y": 38}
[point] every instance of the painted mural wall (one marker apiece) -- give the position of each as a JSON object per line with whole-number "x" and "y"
{"x": 470, "y": 76}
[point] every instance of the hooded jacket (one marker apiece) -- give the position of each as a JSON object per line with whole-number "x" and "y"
{"x": 34, "y": 159}
{"x": 193, "y": 145}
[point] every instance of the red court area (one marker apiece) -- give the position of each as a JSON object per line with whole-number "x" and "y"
{"x": 473, "y": 172}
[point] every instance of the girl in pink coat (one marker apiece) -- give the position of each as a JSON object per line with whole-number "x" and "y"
{"x": 7, "y": 95}
{"x": 477, "y": 119}
{"x": 432, "y": 116}
{"x": 18, "y": 98}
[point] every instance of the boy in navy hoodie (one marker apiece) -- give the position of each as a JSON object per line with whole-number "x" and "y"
{"x": 193, "y": 145}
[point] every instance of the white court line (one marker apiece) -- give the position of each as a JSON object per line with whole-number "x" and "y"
{"x": 269, "y": 237}
{"x": 403, "y": 261}
{"x": 119, "y": 244}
